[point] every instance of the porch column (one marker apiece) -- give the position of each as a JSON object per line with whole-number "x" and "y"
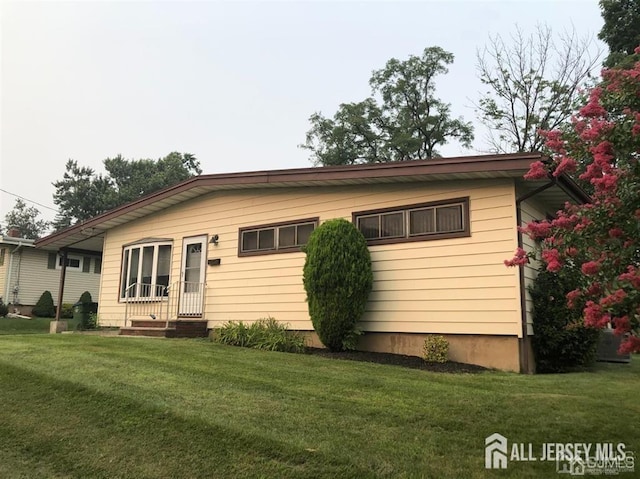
{"x": 58, "y": 326}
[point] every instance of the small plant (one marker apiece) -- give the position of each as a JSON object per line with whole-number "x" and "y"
{"x": 4, "y": 309}
{"x": 88, "y": 321}
{"x": 67, "y": 311}
{"x": 266, "y": 334}
{"x": 350, "y": 342}
{"x": 44, "y": 308}
{"x": 436, "y": 349}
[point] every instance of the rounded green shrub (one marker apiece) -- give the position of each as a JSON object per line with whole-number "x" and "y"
{"x": 85, "y": 298}
{"x": 44, "y": 308}
{"x": 435, "y": 349}
{"x": 4, "y": 309}
{"x": 561, "y": 342}
{"x": 337, "y": 277}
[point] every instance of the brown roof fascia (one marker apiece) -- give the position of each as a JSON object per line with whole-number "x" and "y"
{"x": 462, "y": 164}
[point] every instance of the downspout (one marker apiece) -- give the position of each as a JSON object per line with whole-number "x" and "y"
{"x": 7, "y": 286}
{"x": 63, "y": 273}
{"x": 525, "y": 345}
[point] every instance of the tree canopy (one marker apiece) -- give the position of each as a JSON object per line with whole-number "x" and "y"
{"x": 621, "y": 29}
{"x": 599, "y": 239}
{"x": 83, "y": 194}
{"x": 401, "y": 120}
{"x": 25, "y": 219}
{"x": 532, "y": 84}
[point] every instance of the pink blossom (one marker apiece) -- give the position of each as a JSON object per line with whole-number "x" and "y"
{"x": 614, "y": 298}
{"x": 565, "y": 165}
{"x": 520, "y": 258}
{"x": 594, "y": 316}
{"x": 620, "y": 325}
{"x": 630, "y": 345}
{"x": 615, "y": 233}
{"x": 536, "y": 171}
{"x": 552, "y": 258}
{"x": 590, "y": 268}
{"x": 572, "y": 297}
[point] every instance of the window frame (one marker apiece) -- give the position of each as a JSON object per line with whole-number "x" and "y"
{"x": 276, "y": 236}
{"x": 407, "y": 237}
{"x": 70, "y": 257}
{"x": 154, "y": 270}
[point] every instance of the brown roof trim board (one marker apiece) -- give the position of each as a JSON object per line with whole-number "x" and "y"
{"x": 502, "y": 165}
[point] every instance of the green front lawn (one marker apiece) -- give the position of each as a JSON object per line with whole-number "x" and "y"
{"x": 30, "y": 326}
{"x": 77, "y": 406}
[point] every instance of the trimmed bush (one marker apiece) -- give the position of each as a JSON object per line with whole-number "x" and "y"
{"x": 337, "y": 277}
{"x": 435, "y": 349}
{"x": 90, "y": 321}
{"x": 85, "y": 298}
{"x": 4, "y": 309}
{"x": 67, "y": 311}
{"x": 44, "y": 308}
{"x": 561, "y": 342}
{"x": 266, "y": 334}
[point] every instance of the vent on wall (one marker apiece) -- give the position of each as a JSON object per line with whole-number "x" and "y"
{"x": 608, "y": 345}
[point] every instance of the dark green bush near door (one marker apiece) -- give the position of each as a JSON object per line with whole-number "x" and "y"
{"x": 560, "y": 342}
{"x": 44, "y": 308}
{"x": 337, "y": 277}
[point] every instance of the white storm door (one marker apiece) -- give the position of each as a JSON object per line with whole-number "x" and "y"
{"x": 194, "y": 260}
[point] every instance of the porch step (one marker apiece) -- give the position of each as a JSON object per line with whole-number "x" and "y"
{"x": 141, "y": 331}
{"x": 191, "y": 328}
{"x": 151, "y": 323}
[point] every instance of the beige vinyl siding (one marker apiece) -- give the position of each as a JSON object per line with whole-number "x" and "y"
{"x": 4, "y": 268}
{"x": 442, "y": 286}
{"x": 531, "y": 210}
{"x": 32, "y": 277}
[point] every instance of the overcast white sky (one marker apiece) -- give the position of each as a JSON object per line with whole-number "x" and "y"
{"x": 232, "y": 82}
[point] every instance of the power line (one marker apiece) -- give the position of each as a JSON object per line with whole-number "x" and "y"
{"x": 27, "y": 199}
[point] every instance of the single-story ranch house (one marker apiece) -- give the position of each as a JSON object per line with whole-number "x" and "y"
{"x": 27, "y": 272}
{"x": 227, "y": 247}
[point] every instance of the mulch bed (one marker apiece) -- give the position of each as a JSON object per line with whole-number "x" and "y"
{"x": 413, "y": 362}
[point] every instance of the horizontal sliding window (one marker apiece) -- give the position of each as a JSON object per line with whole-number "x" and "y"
{"x": 275, "y": 238}
{"x": 438, "y": 220}
{"x": 145, "y": 271}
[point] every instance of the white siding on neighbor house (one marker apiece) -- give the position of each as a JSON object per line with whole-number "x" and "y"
{"x": 32, "y": 277}
{"x": 531, "y": 210}
{"x": 441, "y": 286}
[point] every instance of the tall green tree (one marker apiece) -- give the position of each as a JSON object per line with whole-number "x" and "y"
{"x": 83, "y": 194}
{"x": 621, "y": 29}
{"x": 401, "y": 120}
{"x": 25, "y": 219}
{"x": 532, "y": 83}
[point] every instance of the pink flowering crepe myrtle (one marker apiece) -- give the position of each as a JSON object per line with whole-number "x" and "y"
{"x": 599, "y": 238}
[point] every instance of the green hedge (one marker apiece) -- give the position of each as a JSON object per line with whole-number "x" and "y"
{"x": 337, "y": 277}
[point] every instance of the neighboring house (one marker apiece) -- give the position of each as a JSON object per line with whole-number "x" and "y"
{"x": 27, "y": 272}
{"x": 227, "y": 246}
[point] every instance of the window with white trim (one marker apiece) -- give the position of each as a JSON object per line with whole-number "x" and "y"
{"x": 275, "y": 238}
{"x": 425, "y": 221}
{"x": 145, "y": 271}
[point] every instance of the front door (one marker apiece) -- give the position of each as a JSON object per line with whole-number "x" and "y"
{"x": 194, "y": 260}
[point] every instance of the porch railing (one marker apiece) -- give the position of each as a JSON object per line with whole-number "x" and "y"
{"x": 164, "y": 303}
